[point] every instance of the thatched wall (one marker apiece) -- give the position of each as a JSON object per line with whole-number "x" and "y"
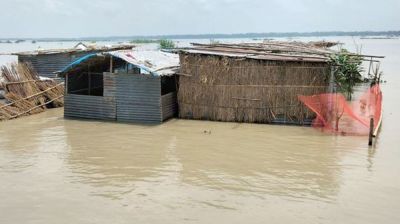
{"x": 248, "y": 90}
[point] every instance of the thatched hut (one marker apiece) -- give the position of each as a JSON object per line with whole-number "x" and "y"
{"x": 129, "y": 86}
{"x": 255, "y": 83}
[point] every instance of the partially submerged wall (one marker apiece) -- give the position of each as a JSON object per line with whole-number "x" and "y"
{"x": 247, "y": 90}
{"x": 138, "y": 98}
{"x": 90, "y": 107}
{"x": 126, "y": 97}
{"x": 169, "y": 105}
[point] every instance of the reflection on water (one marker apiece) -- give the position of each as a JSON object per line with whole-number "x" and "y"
{"x": 222, "y": 169}
{"x": 251, "y": 159}
{"x": 204, "y": 166}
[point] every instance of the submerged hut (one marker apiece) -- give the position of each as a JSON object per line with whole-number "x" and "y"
{"x": 255, "y": 83}
{"x": 129, "y": 86}
{"x": 48, "y": 62}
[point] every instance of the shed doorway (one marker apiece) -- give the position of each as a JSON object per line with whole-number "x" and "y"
{"x": 88, "y": 79}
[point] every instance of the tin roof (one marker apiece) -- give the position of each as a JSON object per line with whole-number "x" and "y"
{"x": 157, "y": 63}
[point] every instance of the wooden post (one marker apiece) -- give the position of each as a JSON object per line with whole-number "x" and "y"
{"x": 332, "y": 84}
{"x": 89, "y": 80}
{"x": 66, "y": 84}
{"x": 111, "y": 64}
{"x": 370, "y": 67}
{"x": 379, "y": 76}
{"x": 371, "y": 131}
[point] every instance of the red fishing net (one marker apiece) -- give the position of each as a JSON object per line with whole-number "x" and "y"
{"x": 335, "y": 114}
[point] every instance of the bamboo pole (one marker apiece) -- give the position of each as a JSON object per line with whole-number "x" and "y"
{"x": 66, "y": 84}
{"x": 22, "y": 82}
{"x": 292, "y": 48}
{"x": 33, "y": 108}
{"x": 378, "y": 126}
{"x": 37, "y": 94}
{"x": 370, "y": 67}
{"x": 240, "y": 98}
{"x": 371, "y": 131}
{"x": 89, "y": 80}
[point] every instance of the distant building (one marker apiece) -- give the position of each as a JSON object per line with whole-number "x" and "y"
{"x": 128, "y": 86}
{"x": 48, "y": 62}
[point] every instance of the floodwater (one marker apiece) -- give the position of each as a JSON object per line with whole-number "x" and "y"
{"x": 56, "y": 170}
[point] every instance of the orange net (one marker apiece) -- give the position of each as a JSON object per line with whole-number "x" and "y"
{"x": 336, "y": 115}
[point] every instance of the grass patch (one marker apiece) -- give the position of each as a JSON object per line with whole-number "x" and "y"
{"x": 167, "y": 44}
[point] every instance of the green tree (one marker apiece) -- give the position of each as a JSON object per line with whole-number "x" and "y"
{"x": 348, "y": 68}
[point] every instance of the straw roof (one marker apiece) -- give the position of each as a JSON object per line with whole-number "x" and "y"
{"x": 77, "y": 49}
{"x": 269, "y": 50}
{"x": 318, "y": 51}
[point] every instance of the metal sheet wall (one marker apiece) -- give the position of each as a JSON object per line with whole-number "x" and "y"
{"x": 138, "y": 98}
{"x": 90, "y": 107}
{"x": 47, "y": 64}
{"x": 169, "y": 105}
{"x": 110, "y": 85}
{"x": 127, "y": 98}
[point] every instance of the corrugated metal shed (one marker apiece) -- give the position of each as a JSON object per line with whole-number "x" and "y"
{"x": 147, "y": 95}
{"x": 127, "y": 98}
{"x": 48, "y": 62}
{"x": 47, "y": 65}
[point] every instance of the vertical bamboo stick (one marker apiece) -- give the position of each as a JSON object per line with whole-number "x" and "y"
{"x": 371, "y": 131}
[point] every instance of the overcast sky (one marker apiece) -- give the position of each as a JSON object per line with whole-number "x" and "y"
{"x": 83, "y": 18}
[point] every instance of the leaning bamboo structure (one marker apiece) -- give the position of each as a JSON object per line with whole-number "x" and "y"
{"x": 27, "y": 93}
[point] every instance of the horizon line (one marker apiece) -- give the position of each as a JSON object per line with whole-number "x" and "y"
{"x": 218, "y": 35}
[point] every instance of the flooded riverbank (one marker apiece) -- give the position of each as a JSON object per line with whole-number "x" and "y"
{"x": 88, "y": 171}
{"x": 58, "y": 170}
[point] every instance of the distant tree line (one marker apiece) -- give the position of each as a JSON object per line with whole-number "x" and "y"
{"x": 271, "y": 35}
{"x": 223, "y": 36}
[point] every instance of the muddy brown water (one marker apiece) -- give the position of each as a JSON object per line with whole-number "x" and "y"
{"x": 56, "y": 170}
